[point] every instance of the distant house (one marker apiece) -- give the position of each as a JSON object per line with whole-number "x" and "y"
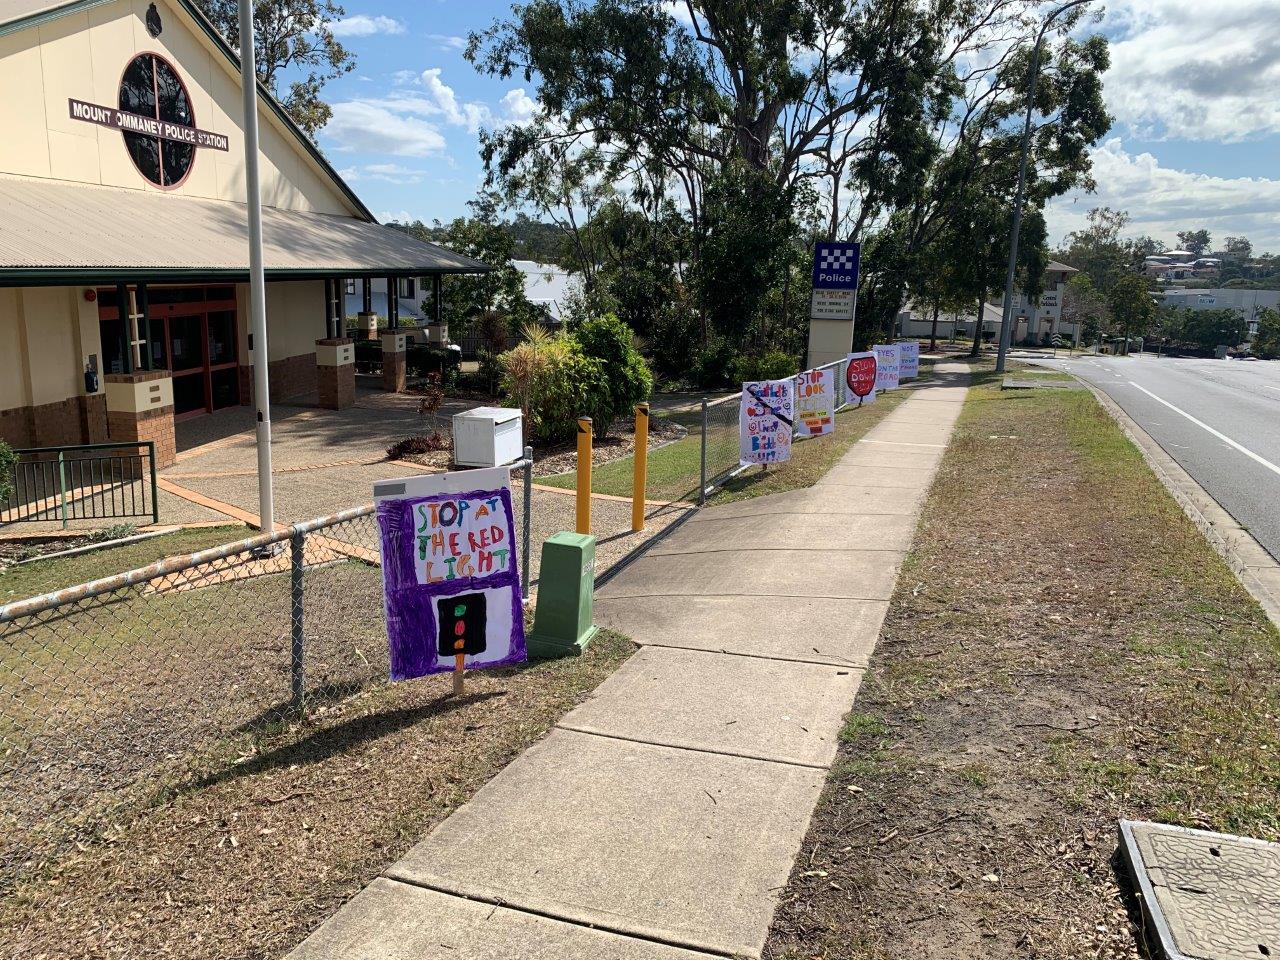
{"x": 1037, "y": 321}
{"x": 547, "y": 286}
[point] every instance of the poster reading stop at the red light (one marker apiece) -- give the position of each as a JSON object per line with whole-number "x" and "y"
{"x": 860, "y": 373}
{"x": 449, "y": 571}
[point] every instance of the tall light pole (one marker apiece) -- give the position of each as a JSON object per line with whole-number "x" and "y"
{"x": 257, "y": 277}
{"x": 1006, "y": 332}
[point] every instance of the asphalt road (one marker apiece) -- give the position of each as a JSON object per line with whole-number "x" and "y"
{"x": 1220, "y": 419}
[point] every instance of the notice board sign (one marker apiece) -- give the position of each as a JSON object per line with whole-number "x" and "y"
{"x": 908, "y": 359}
{"x": 815, "y": 403}
{"x": 450, "y": 579}
{"x": 887, "y": 366}
{"x": 766, "y": 418}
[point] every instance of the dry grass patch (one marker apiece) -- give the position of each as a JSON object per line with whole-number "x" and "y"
{"x": 243, "y": 856}
{"x": 1064, "y": 649}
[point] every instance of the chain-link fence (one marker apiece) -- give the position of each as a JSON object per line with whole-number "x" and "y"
{"x": 720, "y": 431}
{"x": 108, "y": 687}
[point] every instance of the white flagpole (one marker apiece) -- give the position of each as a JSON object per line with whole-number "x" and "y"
{"x": 257, "y": 279}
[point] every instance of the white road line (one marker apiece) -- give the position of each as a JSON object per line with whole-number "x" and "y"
{"x": 1217, "y": 433}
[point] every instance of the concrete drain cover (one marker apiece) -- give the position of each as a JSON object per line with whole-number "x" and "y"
{"x": 1206, "y": 896}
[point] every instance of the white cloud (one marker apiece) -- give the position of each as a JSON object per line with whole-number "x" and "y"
{"x": 362, "y": 25}
{"x": 469, "y": 115}
{"x": 446, "y": 42}
{"x": 374, "y": 126}
{"x": 398, "y": 216}
{"x": 1162, "y": 200}
{"x": 518, "y": 107}
{"x": 1200, "y": 71}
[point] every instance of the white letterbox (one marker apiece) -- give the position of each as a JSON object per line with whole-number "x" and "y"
{"x": 488, "y": 437}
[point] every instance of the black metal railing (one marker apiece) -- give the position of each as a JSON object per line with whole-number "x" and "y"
{"x": 94, "y": 481}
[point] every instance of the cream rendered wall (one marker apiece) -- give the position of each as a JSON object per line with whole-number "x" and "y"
{"x": 295, "y": 318}
{"x": 52, "y": 326}
{"x": 15, "y": 388}
{"x": 83, "y": 55}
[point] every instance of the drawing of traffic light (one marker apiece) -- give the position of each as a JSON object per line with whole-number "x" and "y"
{"x": 461, "y": 618}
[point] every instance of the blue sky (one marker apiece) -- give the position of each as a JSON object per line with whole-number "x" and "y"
{"x": 1193, "y": 87}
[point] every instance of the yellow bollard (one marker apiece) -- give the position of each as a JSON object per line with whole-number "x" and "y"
{"x": 584, "y": 475}
{"x": 641, "y": 458}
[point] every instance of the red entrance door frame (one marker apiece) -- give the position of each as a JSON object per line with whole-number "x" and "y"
{"x": 171, "y": 319}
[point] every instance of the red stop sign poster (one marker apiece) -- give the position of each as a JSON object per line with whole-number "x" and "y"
{"x": 860, "y": 376}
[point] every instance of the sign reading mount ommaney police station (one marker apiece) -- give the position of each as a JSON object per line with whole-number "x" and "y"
{"x": 835, "y": 280}
{"x": 128, "y": 122}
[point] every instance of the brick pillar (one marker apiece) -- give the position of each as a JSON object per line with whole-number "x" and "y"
{"x": 336, "y": 372}
{"x": 140, "y": 407}
{"x": 367, "y": 326}
{"x": 393, "y": 361}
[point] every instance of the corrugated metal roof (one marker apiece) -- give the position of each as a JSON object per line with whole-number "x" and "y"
{"x": 89, "y": 231}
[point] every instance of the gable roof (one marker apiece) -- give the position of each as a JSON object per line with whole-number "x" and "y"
{"x": 18, "y": 15}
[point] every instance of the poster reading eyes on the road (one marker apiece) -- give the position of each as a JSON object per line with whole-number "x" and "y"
{"x": 449, "y": 572}
{"x": 908, "y": 359}
{"x": 765, "y": 421}
{"x": 815, "y": 403}
{"x": 860, "y": 377}
{"x": 887, "y": 376}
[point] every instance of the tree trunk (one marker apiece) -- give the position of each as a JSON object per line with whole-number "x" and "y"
{"x": 933, "y": 334}
{"x": 977, "y": 330}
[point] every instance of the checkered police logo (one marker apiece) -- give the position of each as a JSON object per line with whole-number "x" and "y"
{"x": 836, "y": 259}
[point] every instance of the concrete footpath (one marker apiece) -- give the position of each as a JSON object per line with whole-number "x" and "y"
{"x": 660, "y": 819}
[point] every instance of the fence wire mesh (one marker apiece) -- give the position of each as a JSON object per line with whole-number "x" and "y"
{"x": 109, "y": 689}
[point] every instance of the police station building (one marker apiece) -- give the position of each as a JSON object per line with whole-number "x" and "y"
{"x": 124, "y": 232}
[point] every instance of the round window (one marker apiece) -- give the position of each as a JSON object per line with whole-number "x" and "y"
{"x": 152, "y": 88}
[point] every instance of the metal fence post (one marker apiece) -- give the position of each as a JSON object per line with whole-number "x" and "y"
{"x": 62, "y": 486}
{"x": 702, "y": 485}
{"x": 297, "y": 676}
{"x": 528, "y": 521}
{"x": 155, "y": 495}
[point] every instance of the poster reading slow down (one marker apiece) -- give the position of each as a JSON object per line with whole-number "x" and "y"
{"x": 765, "y": 420}
{"x": 449, "y": 572}
{"x": 860, "y": 376}
{"x": 815, "y": 403}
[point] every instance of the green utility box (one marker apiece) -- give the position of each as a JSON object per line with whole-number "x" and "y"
{"x": 562, "y": 624}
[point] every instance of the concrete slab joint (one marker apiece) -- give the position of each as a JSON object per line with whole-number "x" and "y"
{"x": 661, "y": 817}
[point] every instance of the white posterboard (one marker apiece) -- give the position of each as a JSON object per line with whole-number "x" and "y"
{"x": 860, "y": 377}
{"x": 887, "y": 366}
{"x": 765, "y": 421}
{"x": 815, "y": 402}
{"x": 908, "y": 359}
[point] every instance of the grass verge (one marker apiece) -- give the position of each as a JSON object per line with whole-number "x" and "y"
{"x": 41, "y": 576}
{"x": 675, "y": 469}
{"x": 244, "y": 858}
{"x": 1064, "y": 649}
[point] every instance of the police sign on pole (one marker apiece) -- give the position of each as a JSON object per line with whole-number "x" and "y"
{"x": 835, "y": 281}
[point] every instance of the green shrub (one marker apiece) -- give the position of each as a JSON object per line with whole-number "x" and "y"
{"x": 627, "y": 378}
{"x": 713, "y": 365}
{"x": 555, "y": 383}
{"x": 774, "y": 365}
{"x": 8, "y": 461}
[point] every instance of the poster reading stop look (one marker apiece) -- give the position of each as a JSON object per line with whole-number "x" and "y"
{"x": 450, "y": 578}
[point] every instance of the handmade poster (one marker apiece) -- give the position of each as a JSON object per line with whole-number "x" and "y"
{"x": 450, "y": 580}
{"x": 908, "y": 359}
{"x": 860, "y": 376}
{"x": 815, "y": 403}
{"x": 887, "y": 376}
{"x": 765, "y": 421}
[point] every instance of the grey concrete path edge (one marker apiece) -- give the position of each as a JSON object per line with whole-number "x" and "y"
{"x": 1253, "y": 566}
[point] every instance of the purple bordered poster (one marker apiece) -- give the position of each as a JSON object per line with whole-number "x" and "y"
{"x": 449, "y": 571}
